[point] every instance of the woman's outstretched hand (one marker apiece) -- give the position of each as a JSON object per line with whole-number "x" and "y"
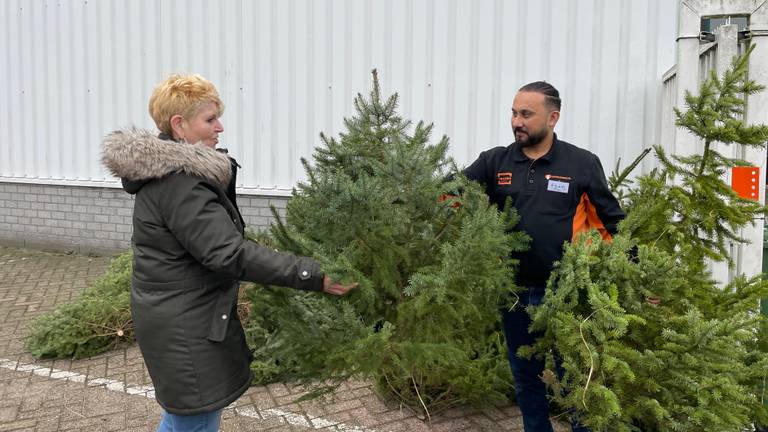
{"x": 336, "y": 288}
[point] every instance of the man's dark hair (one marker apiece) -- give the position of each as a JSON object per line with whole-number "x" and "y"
{"x": 551, "y": 95}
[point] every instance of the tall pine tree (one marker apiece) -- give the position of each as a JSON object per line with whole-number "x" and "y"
{"x": 691, "y": 362}
{"x": 433, "y": 269}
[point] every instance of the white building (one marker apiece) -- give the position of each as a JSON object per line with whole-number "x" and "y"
{"x": 72, "y": 71}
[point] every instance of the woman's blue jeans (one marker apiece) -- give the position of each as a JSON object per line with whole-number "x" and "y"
{"x": 206, "y": 422}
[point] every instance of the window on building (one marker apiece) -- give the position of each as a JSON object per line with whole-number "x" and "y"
{"x": 710, "y": 24}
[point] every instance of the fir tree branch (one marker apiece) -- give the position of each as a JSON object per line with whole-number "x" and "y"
{"x": 391, "y": 387}
{"x": 617, "y": 179}
{"x": 442, "y": 395}
{"x": 426, "y": 411}
{"x": 445, "y": 226}
{"x": 591, "y": 360}
{"x": 375, "y": 93}
{"x": 704, "y": 158}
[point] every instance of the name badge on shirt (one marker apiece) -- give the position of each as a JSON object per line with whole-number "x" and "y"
{"x": 557, "y": 186}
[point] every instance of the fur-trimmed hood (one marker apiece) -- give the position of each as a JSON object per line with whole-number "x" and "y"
{"x": 138, "y": 156}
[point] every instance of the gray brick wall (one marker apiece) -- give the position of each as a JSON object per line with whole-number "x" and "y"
{"x": 86, "y": 219}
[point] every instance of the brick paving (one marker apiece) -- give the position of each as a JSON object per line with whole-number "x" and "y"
{"x": 112, "y": 391}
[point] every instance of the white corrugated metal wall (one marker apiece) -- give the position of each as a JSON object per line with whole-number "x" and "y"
{"x": 71, "y": 71}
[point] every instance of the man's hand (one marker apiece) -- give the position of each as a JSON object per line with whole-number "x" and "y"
{"x": 335, "y": 288}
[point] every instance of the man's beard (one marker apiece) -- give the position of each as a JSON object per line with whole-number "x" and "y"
{"x": 532, "y": 138}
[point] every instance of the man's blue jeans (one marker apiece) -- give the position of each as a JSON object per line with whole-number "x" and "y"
{"x": 530, "y": 390}
{"x": 206, "y": 422}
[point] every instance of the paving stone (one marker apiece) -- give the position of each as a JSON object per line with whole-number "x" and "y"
{"x": 7, "y": 414}
{"x": 278, "y": 389}
{"x": 18, "y": 426}
{"x": 47, "y": 424}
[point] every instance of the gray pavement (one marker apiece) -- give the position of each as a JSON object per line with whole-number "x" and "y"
{"x": 113, "y": 392}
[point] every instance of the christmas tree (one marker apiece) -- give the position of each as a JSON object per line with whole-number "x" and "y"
{"x": 97, "y": 320}
{"x": 383, "y": 207}
{"x": 692, "y": 362}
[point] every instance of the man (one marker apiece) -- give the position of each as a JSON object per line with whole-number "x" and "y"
{"x": 559, "y": 190}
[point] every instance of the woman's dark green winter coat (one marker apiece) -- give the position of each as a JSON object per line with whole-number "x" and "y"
{"x": 189, "y": 256}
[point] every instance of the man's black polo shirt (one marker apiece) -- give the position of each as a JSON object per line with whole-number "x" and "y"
{"x": 561, "y": 193}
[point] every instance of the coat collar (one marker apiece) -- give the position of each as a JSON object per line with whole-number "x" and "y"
{"x": 138, "y": 156}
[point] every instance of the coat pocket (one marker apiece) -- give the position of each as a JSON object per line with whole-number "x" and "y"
{"x": 157, "y": 301}
{"x": 222, "y": 313}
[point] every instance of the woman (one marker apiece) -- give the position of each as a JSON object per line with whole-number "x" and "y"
{"x": 190, "y": 254}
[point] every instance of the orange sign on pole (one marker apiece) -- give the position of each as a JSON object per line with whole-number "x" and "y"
{"x": 745, "y": 181}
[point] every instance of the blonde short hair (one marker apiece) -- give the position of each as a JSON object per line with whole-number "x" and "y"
{"x": 181, "y": 94}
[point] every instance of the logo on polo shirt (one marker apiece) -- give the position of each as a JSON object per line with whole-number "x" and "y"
{"x": 557, "y": 177}
{"x": 504, "y": 178}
